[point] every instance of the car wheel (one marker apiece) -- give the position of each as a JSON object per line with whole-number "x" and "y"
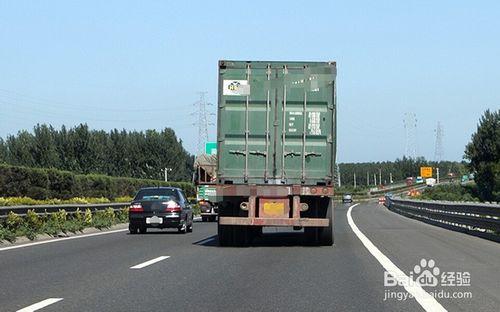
{"x": 204, "y": 219}
{"x": 190, "y": 227}
{"x": 183, "y": 228}
{"x": 143, "y": 230}
{"x": 132, "y": 229}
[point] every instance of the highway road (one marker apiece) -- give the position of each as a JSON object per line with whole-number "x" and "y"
{"x": 166, "y": 271}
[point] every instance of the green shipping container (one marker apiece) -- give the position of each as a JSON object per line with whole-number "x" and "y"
{"x": 276, "y": 122}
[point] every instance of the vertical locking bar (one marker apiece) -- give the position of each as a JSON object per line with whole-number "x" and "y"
{"x": 304, "y": 132}
{"x": 268, "y": 72}
{"x": 283, "y": 125}
{"x": 246, "y": 126}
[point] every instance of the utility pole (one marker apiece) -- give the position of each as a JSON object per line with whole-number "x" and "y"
{"x": 337, "y": 169}
{"x": 379, "y": 176}
{"x": 437, "y": 175}
{"x": 390, "y": 178}
{"x": 354, "y": 179}
{"x": 165, "y": 171}
{"x": 375, "y": 178}
{"x": 367, "y": 178}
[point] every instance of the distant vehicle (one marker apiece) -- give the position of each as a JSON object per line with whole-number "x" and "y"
{"x": 347, "y": 198}
{"x": 160, "y": 207}
{"x": 430, "y": 182}
{"x": 409, "y": 181}
{"x": 390, "y": 195}
{"x": 419, "y": 180}
{"x": 204, "y": 179}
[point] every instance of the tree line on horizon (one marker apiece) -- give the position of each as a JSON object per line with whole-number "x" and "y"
{"x": 400, "y": 169}
{"x": 122, "y": 153}
{"x": 144, "y": 154}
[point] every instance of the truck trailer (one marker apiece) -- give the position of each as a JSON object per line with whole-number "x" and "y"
{"x": 204, "y": 178}
{"x": 276, "y": 146}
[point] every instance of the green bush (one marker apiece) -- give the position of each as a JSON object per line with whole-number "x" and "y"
{"x": 59, "y": 222}
{"x": 16, "y": 201}
{"x": 43, "y": 184}
{"x": 450, "y": 192}
{"x": 7, "y": 234}
{"x": 103, "y": 219}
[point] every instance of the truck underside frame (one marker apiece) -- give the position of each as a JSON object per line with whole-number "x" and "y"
{"x": 243, "y": 210}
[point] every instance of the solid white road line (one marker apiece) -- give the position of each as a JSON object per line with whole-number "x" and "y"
{"x": 427, "y": 302}
{"x": 61, "y": 239}
{"x": 152, "y": 261}
{"x": 40, "y": 305}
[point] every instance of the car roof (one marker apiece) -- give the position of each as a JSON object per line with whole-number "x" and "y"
{"x": 160, "y": 188}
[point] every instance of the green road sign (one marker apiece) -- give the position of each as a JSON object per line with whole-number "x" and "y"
{"x": 211, "y": 148}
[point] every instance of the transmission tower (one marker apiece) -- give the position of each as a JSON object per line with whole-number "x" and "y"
{"x": 438, "y": 151}
{"x": 337, "y": 176}
{"x": 410, "y": 125}
{"x": 202, "y": 115}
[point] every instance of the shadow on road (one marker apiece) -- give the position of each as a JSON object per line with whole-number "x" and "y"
{"x": 282, "y": 239}
{"x": 159, "y": 232}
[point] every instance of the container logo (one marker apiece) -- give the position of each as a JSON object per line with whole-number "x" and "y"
{"x": 236, "y": 87}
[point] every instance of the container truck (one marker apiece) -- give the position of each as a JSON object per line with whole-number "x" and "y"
{"x": 204, "y": 179}
{"x": 276, "y": 146}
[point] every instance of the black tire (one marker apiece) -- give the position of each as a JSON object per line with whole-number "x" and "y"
{"x": 132, "y": 229}
{"x": 183, "y": 228}
{"x": 225, "y": 235}
{"x": 311, "y": 236}
{"x": 204, "y": 218}
{"x": 320, "y": 236}
{"x": 212, "y": 218}
{"x": 241, "y": 236}
{"x": 325, "y": 234}
{"x": 143, "y": 230}
{"x": 190, "y": 227}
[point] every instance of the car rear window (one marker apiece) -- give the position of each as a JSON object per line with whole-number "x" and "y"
{"x": 161, "y": 194}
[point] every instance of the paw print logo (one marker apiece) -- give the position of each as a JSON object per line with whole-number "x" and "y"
{"x": 426, "y": 272}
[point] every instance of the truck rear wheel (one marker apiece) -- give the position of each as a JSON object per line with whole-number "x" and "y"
{"x": 232, "y": 235}
{"x": 325, "y": 234}
{"x": 225, "y": 235}
{"x": 322, "y": 236}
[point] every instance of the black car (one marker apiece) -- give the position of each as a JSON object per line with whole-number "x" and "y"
{"x": 160, "y": 207}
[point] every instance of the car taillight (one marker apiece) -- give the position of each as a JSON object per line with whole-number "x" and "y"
{"x": 172, "y": 206}
{"x": 136, "y": 208}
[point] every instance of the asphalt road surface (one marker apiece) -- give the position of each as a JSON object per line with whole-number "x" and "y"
{"x": 166, "y": 271}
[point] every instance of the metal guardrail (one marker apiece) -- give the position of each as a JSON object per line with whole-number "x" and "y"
{"x": 48, "y": 209}
{"x": 473, "y": 218}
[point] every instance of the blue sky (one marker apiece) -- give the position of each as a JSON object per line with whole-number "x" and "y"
{"x": 140, "y": 64}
